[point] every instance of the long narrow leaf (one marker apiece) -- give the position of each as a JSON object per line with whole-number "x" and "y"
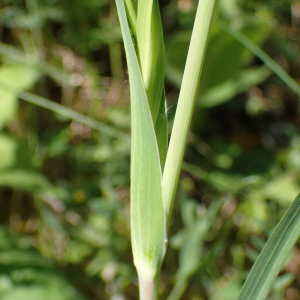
{"x": 186, "y": 102}
{"x": 67, "y": 112}
{"x": 268, "y": 61}
{"x": 273, "y": 255}
{"x": 147, "y": 211}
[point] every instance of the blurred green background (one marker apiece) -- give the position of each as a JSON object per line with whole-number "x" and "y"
{"x": 64, "y": 186}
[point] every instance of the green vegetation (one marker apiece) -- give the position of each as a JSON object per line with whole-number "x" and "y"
{"x": 65, "y": 150}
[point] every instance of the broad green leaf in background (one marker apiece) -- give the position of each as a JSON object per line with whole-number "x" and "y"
{"x": 273, "y": 255}
{"x": 8, "y": 148}
{"x": 14, "y": 55}
{"x": 256, "y": 50}
{"x": 225, "y": 290}
{"x": 225, "y": 59}
{"x": 18, "y": 77}
{"x": 147, "y": 211}
{"x": 49, "y": 291}
{"x": 24, "y": 179}
{"x": 226, "y": 56}
{"x": 17, "y": 167}
{"x": 283, "y": 188}
{"x": 241, "y": 82}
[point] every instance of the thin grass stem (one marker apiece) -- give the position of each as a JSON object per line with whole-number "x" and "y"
{"x": 186, "y": 102}
{"x": 67, "y": 112}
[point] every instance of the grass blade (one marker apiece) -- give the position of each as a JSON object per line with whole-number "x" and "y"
{"x": 186, "y": 102}
{"x": 67, "y": 112}
{"x": 147, "y": 211}
{"x": 263, "y": 56}
{"x": 273, "y": 255}
{"x": 161, "y": 131}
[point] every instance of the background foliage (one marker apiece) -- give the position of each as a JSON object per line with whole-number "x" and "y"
{"x": 64, "y": 187}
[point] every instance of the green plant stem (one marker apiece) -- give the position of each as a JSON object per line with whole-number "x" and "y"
{"x": 268, "y": 61}
{"x": 178, "y": 290}
{"x": 67, "y": 112}
{"x": 74, "y": 115}
{"x": 186, "y": 102}
{"x": 148, "y": 287}
{"x": 17, "y": 56}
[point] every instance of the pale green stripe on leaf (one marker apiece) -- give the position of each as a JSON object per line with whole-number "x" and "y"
{"x": 131, "y": 8}
{"x": 273, "y": 255}
{"x": 147, "y": 211}
{"x": 151, "y": 52}
{"x": 161, "y": 131}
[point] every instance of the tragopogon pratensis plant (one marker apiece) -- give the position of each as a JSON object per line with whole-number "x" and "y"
{"x": 155, "y": 165}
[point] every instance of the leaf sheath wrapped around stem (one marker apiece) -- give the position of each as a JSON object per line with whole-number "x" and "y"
{"x": 148, "y": 224}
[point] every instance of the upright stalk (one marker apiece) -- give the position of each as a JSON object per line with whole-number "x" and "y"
{"x": 148, "y": 224}
{"x": 150, "y": 52}
{"x": 186, "y": 102}
{"x": 152, "y": 194}
{"x": 148, "y": 287}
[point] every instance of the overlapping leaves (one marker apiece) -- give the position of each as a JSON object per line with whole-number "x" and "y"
{"x": 147, "y": 211}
